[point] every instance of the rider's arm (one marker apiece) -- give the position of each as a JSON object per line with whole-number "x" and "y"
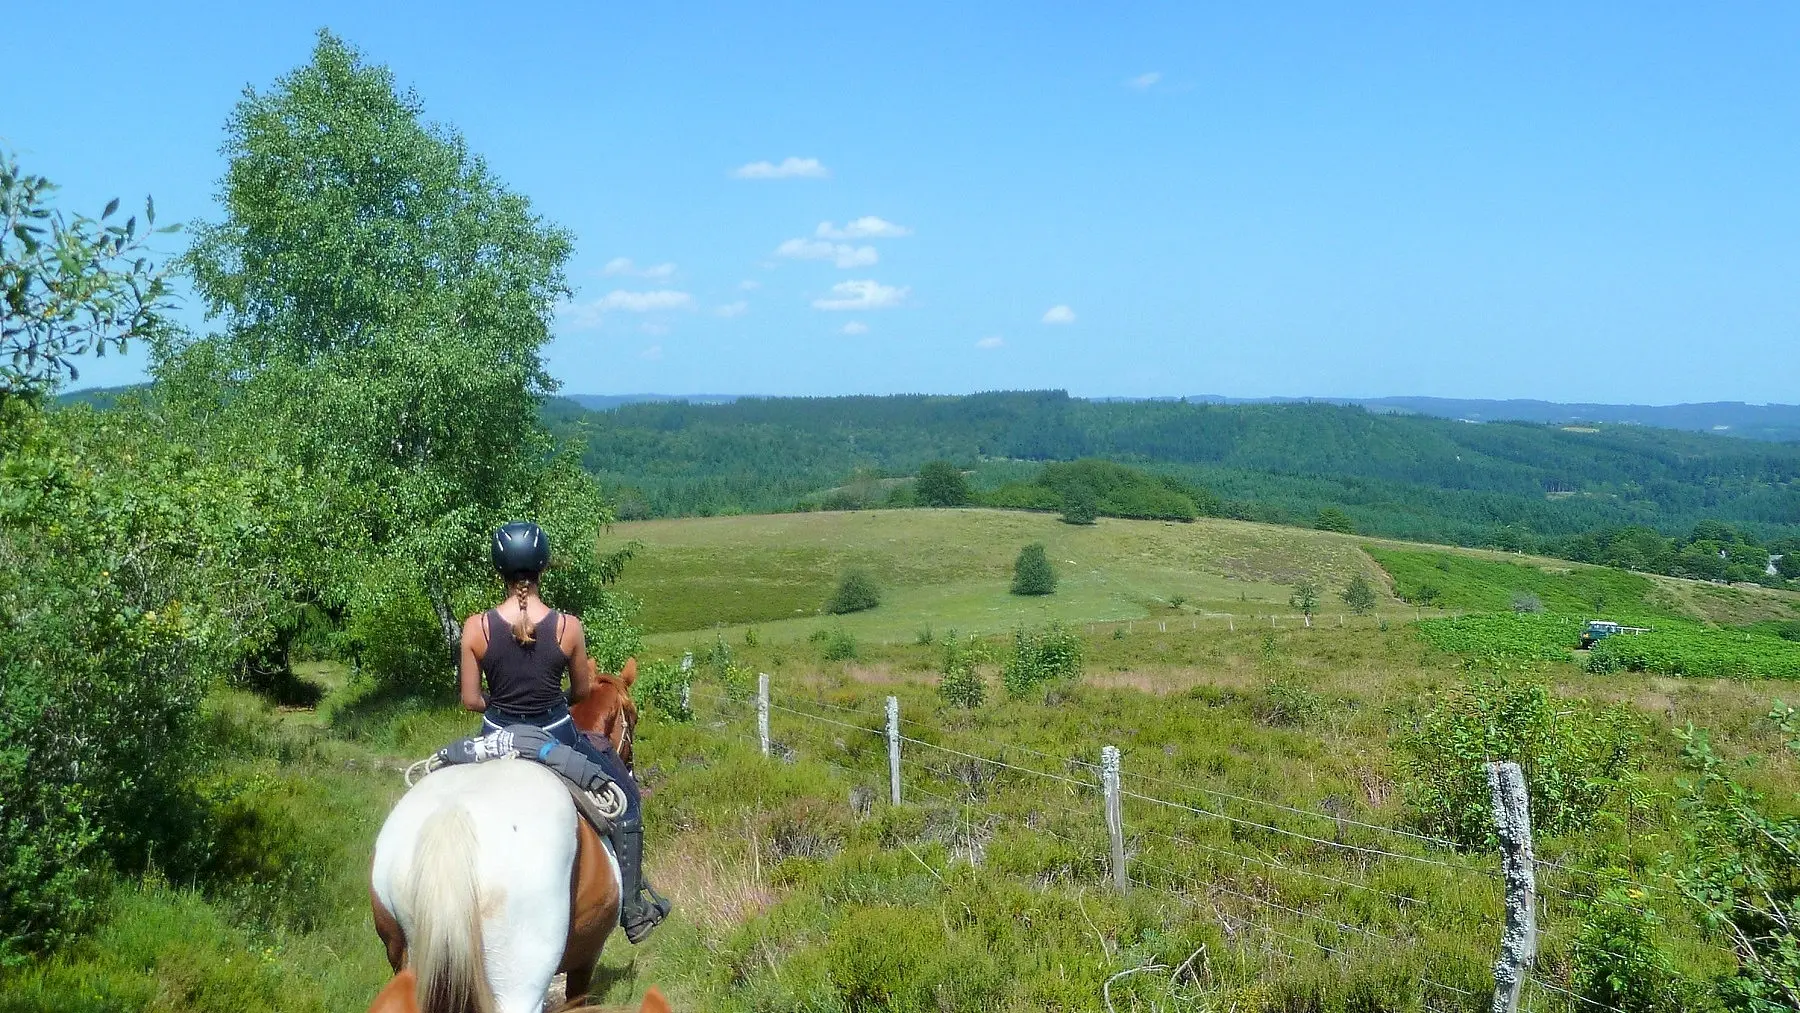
{"x": 574, "y": 645}
{"x": 468, "y": 662}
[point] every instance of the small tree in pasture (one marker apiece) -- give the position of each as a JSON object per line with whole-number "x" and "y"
{"x": 1032, "y": 573}
{"x": 962, "y": 685}
{"x": 1080, "y": 504}
{"x": 856, "y": 592}
{"x": 1359, "y": 594}
{"x": 1041, "y": 656}
{"x": 1333, "y": 519}
{"x": 941, "y": 484}
{"x": 1305, "y": 598}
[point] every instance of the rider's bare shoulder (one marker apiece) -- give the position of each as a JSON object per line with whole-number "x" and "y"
{"x": 474, "y": 631}
{"x": 571, "y": 631}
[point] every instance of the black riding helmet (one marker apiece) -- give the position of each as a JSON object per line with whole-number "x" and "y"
{"x": 521, "y": 550}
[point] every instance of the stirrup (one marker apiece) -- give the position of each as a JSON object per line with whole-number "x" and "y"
{"x": 646, "y": 911}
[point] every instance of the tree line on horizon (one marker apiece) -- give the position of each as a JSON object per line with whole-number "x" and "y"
{"x": 1623, "y": 495}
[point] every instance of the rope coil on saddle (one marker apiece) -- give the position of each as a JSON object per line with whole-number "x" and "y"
{"x": 608, "y": 800}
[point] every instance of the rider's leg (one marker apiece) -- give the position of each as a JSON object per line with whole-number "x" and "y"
{"x": 640, "y": 907}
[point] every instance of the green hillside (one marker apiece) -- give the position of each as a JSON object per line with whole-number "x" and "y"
{"x": 1518, "y": 484}
{"x": 951, "y": 569}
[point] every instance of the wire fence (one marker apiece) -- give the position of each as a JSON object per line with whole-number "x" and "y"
{"x": 1164, "y": 830}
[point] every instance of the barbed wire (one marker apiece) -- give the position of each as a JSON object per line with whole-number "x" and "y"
{"x": 1439, "y": 841}
{"x": 1288, "y": 869}
{"x": 999, "y": 763}
{"x": 1307, "y": 837}
{"x": 1274, "y": 905}
{"x": 1382, "y": 937}
{"x": 1577, "y": 996}
{"x": 822, "y": 718}
{"x": 1037, "y": 801}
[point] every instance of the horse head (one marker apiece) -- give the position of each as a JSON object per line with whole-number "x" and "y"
{"x": 608, "y": 709}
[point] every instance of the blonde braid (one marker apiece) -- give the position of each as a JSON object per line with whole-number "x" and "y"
{"x": 521, "y": 627}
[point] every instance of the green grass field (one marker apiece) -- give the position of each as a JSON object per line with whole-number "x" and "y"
{"x": 799, "y": 887}
{"x": 951, "y": 569}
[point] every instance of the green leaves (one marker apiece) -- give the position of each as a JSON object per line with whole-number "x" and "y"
{"x": 1576, "y": 756}
{"x": 71, "y": 286}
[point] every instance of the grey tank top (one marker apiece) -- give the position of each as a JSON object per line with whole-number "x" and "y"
{"x": 524, "y": 680}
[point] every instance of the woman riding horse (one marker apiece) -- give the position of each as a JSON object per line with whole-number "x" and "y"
{"x": 522, "y": 647}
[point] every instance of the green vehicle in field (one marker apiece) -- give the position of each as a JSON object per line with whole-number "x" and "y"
{"x": 1599, "y": 629}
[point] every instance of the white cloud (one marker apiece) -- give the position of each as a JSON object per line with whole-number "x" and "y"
{"x": 733, "y": 309}
{"x": 866, "y": 227}
{"x": 625, "y": 266}
{"x": 789, "y": 168}
{"x": 842, "y": 254}
{"x": 579, "y": 316}
{"x": 855, "y": 327}
{"x": 653, "y": 353}
{"x": 643, "y": 302}
{"x": 862, "y": 295}
{"x": 1059, "y": 315}
{"x": 1143, "y": 81}
{"x": 994, "y": 341}
{"x": 587, "y": 316}
{"x": 749, "y": 285}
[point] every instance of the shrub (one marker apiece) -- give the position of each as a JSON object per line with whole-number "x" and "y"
{"x": 1615, "y": 961}
{"x": 941, "y": 484}
{"x": 1080, "y": 505}
{"x": 1359, "y": 594}
{"x": 1575, "y": 756}
{"x": 1287, "y": 702}
{"x": 856, "y": 592}
{"x": 662, "y": 687}
{"x": 1032, "y": 573}
{"x": 1525, "y": 601}
{"x": 962, "y": 685}
{"x": 1039, "y": 656}
{"x": 1741, "y": 865}
{"x": 1333, "y": 519}
{"x": 838, "y": 646}
{"x": 1305, "y": 597}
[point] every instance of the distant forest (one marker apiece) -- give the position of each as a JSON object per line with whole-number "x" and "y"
{"x": 1542, "y": 487}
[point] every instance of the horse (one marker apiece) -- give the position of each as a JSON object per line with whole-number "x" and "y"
{"x": 486, "y": 881}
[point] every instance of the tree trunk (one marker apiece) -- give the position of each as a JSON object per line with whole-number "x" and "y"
{"x": 446, "y": 618}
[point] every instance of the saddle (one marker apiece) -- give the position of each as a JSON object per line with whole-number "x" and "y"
{"x": 596, "y": 796}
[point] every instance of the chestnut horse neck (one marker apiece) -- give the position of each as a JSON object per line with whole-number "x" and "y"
{"x": 608, "y": 709}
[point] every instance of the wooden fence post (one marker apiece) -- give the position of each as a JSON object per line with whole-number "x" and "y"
{"x": 1115, "y": 814}
{"x": 762, "y": 710}
{"x": 1518, "y": 944}
{"x": 893, "y": 730}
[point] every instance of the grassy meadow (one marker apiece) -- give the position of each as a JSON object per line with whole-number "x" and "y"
{"x": 1262, "y": 758}
{"x": 951, "y": 568}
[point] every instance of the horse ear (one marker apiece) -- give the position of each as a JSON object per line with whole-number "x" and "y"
{"x": 629, "y": 672}
{"x": 654, "y": 1002}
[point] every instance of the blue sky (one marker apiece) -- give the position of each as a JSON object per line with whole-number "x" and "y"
{"x": 1574, "y": 202}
